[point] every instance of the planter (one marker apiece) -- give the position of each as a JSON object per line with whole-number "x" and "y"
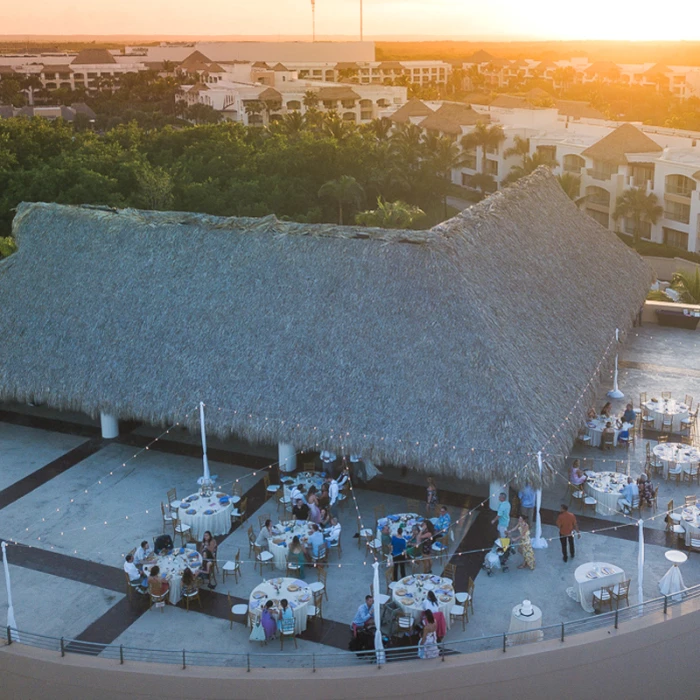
{"x": 677, "y": 319}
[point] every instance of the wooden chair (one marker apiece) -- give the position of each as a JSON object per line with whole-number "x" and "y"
{"x": 690, "y": 472}
{"x": 293, "y": 568}
{"x": 608, "y": 440}
{"x": 588, "y": 502}
{"x": 365, "y": 534}
{"x": 621, "y": 467}
{"x": 337, "y": 546}
{"x": 642, "y": 399}
{"x": 661, "y": 439}
{"x": 647, "y": 418}
{"x": 286, "y": 630}
{"x": 583, "y": 438}
{"x": 690, "y": 500}
{"x": 159, "y": 599}
{"x": 673, "y": 522}
{"x": 667, "y": 423}
{"x": 694, "y": 545}
{"x": 316, "y": 610}
{"x": 191, "y": 593}
{"x": 577, "y": 494}
{"x": 631, "y": 437}
{"x": 232, "y": 568}
{"x": 603, "y": 597}
{"x": 262, "y": 558}
{"x": 655, "y": 500}
{"x": 688, "y": 401}
{"x": 134, "y": 585}
{"x": 270, "y": 489}
{"x": 450, "y": 572}
{"x": 262, "y": 519}
{"x": 373, "y": 548}
{"x": 240, "y": 609}
{"x": 621, "y": 591}
{"x": 185, "y": 532}
{"x": 636, "y": 505}
{"x": 459, "y": 612}
{"x": 321, "y": 584}
{"x": 238, "y": 512}
{"x": 237, "y": 490}
{"x": 321, "y": 557}
{"x": 691, "y": 421}
{"x": 401, "y": 624}
{"x": 379, "y": 512}
{"x": 665, "y": 394}
{"x": 167, "y": 517}
{"x": 674, "y": 472}
{"x": 389, "y": 579}
{"x": 285, "y": 503}
{"x": 470, "y": 591}
{"x": 171, "y": 496}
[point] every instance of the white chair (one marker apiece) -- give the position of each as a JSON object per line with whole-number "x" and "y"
{"x": 589, "y": 502}
{"x": 459, "y": 612}
{"x": 232, "y": 568}
{"x": 320, "y": 586}
{"x": 262, "y": 557}
{"x": 462, "y": 597}
{"x": 182, "y": 530}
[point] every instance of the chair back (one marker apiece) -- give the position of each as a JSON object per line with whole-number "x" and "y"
{"x": 691, "y": 500}
{"x": 450, "y": 571}
{"x": 287, "y": 626}
{"x": 642, "y": 399}
{"x": 266, "y": 480}
{"x": 665, "y": 394}
{"x": 322, "y": 574}
{"x": 251, "y": 535}
{"x": 322, "y": 552}
{"x": 243, "y": 504}
{"x": 171, "y": 495}
{"x": 623, "y": 588}
{"x": 621, "y": 466}
{"x": 688, "y": 401}
{"x": 470, "y": 587}
{"x": 648, "y": 450}
{"x": 661, "y": 439}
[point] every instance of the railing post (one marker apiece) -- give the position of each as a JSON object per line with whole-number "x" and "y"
{"x": 184, "y": 665}
{"x": 9, "y": 635}
{"x": 504, "y": 642}
{"x": 63, "y": 648}
{"x": 442, "y": 652}
{"x": 313, "y": 662}
{"x": 616, "y": 613}
{"x": 665, "y": 605}
{"x": 248, "y": 660}
{"x": 562, "y": 631}
{"x": 121, "y": 654}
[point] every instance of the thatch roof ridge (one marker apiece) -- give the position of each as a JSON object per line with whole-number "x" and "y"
{"x": 626, "y": 138}
{"x": 460, "y": 336}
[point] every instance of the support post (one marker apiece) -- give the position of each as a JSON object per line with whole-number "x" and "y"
{"x": 110, "y": 426}
{"x": 495, "y": 488}
{"x": 287, "y": 457}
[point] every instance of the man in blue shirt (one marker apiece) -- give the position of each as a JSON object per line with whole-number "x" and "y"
{"x": 364, "y": 613}
{"x": 398, "y": 553}
{"x": 442, "y": 523}
{"x": 527, "y": 498}
{"x": 315, "y": 541}
{"x": 503, "y": 515}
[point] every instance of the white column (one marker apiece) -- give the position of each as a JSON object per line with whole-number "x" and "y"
{"x": 495, "y": 489}
{"x": 110, "y": 426}
{"x": 287, "y": 456}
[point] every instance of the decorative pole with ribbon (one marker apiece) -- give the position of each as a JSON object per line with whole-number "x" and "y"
{"x": 640, "y": 566}
{"x": 615, "y": 393}
{"x": 11, "y": 622}
{"x": 378, "y": 642}
{"x": 539, "y": 542}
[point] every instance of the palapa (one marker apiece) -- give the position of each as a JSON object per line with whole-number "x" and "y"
{"x": 429, "y": 348}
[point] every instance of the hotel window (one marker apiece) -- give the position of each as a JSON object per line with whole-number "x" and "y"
{"x": 491, "y": 167}
{"x": 675, "y": 239}
{"x": 602, "y": 170}
{"x": 644, "y": 228}
{"x": 677, "y": 212}
{"x": 573, "y": 163}
{"x": 680, "y": 185}
{"x": 470, "y": 159}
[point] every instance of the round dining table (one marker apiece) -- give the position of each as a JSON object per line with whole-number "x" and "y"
{"x": 305, "y": 479}
{"x": 282, "y": 535}
{"x": 685, "y": 456}
{"x": 595, "y": 427}
{"x": 525, "y": 625}
{"x": 658, "y": 408}
{"x": 606, "y": 488}
{"x": 591, "y": 577}
{"x": 671, "y": 583}
{"x": 410, "y": 591}
{"x": 297, "y": 592}
{"x": 690, "y": 522}
{"x": 397, "y": 520}
{"x": 204, "y": 513}
{"x": 172, "y": 566}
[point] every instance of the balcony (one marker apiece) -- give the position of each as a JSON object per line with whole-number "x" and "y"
{"x": 598, "y": 174}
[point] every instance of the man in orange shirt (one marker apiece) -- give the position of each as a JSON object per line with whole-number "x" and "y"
{"x": 566, "y": 522}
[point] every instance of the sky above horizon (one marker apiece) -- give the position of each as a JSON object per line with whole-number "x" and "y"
{"x": 507, "y": 19}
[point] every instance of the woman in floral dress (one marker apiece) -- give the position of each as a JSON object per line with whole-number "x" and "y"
{"x": 525, "y": 544}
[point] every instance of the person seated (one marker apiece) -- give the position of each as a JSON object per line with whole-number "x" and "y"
{"x": 607, "y": 431}
{"x": 263, "y": 538}
{"x": 629, "y": 416}
{"x": 430, "y": 602}
{"x": 286, "y": 616}
{"x": 268, "y": 620}
{"x": 163, "y": 543}
{"x": 142, "y": 553}
{"x": 332, "y": 533}
{"x": 314, "y": 542}
{"x": 296, "y": 555}
{"x": 591, "y": 414}
{"x": 324, "y": 499}
{"x": 646, "y": 490}
{"x": 300, "y": 510}
{"x": 132, "y": 571}
{"x": 325, "y": 520}
{"x": 629, "y": 493}
{"x": 208, "y": 542}
{"x": 189, "y": 581}
{"x": 207, "y": 568}
{"x": 364, "y": 616}
{"x": 577, "y": 477}
{"x": 298, "y": 492}
{"x": 157, "y": 585}
{"x": 442, "y": 522}
{"x": 606, "y": 410}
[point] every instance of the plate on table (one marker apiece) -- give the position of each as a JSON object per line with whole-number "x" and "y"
{"x": 435, "y": 579}
{"x": 191, "y": 511}
{"x": 184, "y": 504}
{"x": 292, "y": 588}
{"x": 428, "y": 586}
{"x": 591, "y": 575}
{"x": 401, "y": 591}
{"x": 445, "y": 598}
{"x": 606, "y": 571}
{"x": 193, "y": 498}
{"x": 305, "y": 598}
{"x": 407, "y": 601}
{"x": 258, "y": 595}
{"x": 409, "y": 581}
{"x": 208, "y": 511}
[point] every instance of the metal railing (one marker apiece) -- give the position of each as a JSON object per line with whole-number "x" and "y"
{"x": 312, "y": 661}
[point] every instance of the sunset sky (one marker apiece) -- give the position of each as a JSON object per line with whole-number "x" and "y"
{"x": 545, "y": 19}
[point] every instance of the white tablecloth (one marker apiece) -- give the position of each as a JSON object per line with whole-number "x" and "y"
{"x": 279, "y": 544}
{"x": 410, "y": 592}
{"x": 595, "y": 429}
{"x": 672, "y": 584}
{"x": 305, "y": 479}
{"x": 590, "y": 577}
{"x": 298, "y": 600}
{"x": 525, "y": 629}
{"x": 685, "y": 456}
{"x": 606, "y": 488}
{"x": 218, "y": 522}
{"x": 690, "y": 522}
{"x": 657, "y": 409}
{"x": 173, "y": 565}
{"x": 404, "y": 520}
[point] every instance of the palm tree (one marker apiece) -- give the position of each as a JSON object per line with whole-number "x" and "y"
{"x": 640, "y": 206}
{"x": 344, "y": 190}
{"x": 442, "y": 155}
{"x": 310, "y": 99}
{"x": 571, "y": 184}
{"x": 390, "y": 215}
{"x": 380, "y": 129}
{"x": 31, "y": 84}
{"x": 687, "y": 285}
{"x": 253, "y": 108}
{"x": 291, "y": 124}
{"x": 520, "y": 148}
{"x": 485, "y": 137}
{"x": 332, "y": 125}
{"x": 530, "y": 164}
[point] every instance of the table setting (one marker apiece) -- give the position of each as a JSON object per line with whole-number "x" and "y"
{"x": 283, "y": 534}
{"x": 296, "y": 592}
{"x": 595, "y": 427}
{"x": 606, "y": 488}
{"x": 404, "y": 520}
{"x": 202, "y": 513}
{"x": 172, "y": 566}
{"x": 305, "y": 479}
{"x": 683, "y": 455}
{"x": 591, "y": 577}
{"x": 690, "y": 522}
{"x": 410, "y": 592}
{"x": 658, "y": 408}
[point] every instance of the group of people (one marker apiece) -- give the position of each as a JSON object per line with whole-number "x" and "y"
{"x": 275, "y": 619}
{"x": 314, "y": 506}
{"x": 156, "y": 583}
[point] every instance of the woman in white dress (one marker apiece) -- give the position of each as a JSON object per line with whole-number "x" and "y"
{"x": 428, "y": 648}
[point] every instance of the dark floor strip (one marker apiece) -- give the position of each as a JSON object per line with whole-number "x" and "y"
{"x": 53, "y": 424}
{"x": 660, "y": 369}
{"x": 49, "y": 471}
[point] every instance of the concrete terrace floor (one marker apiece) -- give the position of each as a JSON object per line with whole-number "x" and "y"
{"x": 76, "y": 504}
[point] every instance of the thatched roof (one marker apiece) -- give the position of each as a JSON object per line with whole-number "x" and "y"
{"x": 413, "y": 108}
{"x": 347, "y": 65}
{"x": 578, "y": 110}
{"x": 429, "y": 348}
{"x": 479, "y": 56}
{"x": 337, "y": 93}
{"x": 604, "y": 68}
{"x": 194, "y": 61}
{"x": 93, "y": 57}
{"x": 451, "y": 117}
{"x": 614, "y": 147}
{"x": 660, "y": 69}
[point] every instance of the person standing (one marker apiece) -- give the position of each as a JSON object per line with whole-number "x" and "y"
{"x": 566, "y": 522}
{"x": 431, "y": 500}
{"x": 502, "y": 515}
{"x": 527, "y": 503}
{"x": 398, "y": 553}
